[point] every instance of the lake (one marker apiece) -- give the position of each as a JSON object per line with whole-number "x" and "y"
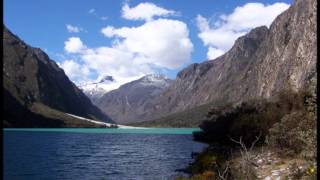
{"x": 154, "y": 153}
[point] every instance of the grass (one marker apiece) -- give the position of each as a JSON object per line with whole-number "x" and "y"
{"x": 189, "y": 118}
{"x": 67, "y": 121}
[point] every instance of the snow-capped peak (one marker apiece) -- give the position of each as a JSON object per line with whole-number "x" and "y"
{"x": 154, "y": 77}
{"x": 99, "y": 88}
{"x": 154, "y": 80}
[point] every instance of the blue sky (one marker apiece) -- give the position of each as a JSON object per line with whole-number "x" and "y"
{"x": 43, "y": 23}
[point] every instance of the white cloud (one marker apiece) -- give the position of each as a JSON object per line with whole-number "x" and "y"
{"x": 112, "y": 61}
{"x": 221, "y": 36}
{"x": 254, "y": 14}
{"x": 156, "y": 45}
{"x": 115, "y": 62}
{"x": 144, "y": 11}
{"x": 108, "y": 31}
{"x": 74, "y": 70}
{"x": 74, "y": 45}
{"x": 214, "y": 53}
{"x": 136, "y": 51}
{"x": 202, "y": 23}
{"x": 161, "y": 42}
{"x": 73, "y": 29}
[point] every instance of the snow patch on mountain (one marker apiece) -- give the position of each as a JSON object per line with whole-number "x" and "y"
{"x": 133, "y": 100}
{"x": 157, "y": 80}
{"x": 97, "y": 89}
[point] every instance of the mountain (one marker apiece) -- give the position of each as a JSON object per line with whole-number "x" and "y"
{"x": 96, "y": 90}
{"x": 130, "y": 102}
{"x": 37, "y": 93}
{"x": 260, "y": 64}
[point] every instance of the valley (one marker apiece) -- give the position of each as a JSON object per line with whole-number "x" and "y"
{"x": 138, "y": 107}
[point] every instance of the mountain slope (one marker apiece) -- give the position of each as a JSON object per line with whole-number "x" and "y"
{"x": 96, "y": 90}
{"x": 129, "y": 103}
{"x": 260, "y": 64}
{"x": 30, "y": 77}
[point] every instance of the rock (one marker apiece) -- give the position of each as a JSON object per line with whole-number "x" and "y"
{"x": 38, "y": 79}
{"x": 130, "y": 103}
{"x": 267, "y": 178}
{"x": 259, "y": 64}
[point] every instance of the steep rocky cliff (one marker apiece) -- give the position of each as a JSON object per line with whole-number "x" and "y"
{"x": 259, "y": 64}
{"x": 30, "y": 77}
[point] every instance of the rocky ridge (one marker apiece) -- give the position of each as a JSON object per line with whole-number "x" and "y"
{"x": 30, "y": 77}
{"x": 130, "y": 102}
{"x": 260, "y": 64}
{"x": 95, "y": 90}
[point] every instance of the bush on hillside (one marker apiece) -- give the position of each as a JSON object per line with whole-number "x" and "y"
{"x": 248, "y": 119}
{"x": 245, "y": 120}
{"x": 296, "y": 132}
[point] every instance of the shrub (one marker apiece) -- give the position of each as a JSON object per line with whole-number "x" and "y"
{"x": 286, "y": 121}
{"x": 289, "y": 100}
{"x": 296, "y": 132}
{"x": 206, "y": 161}
{"x": 250, "y": 118}
{"x": 283, "y": 135}
{"x": 245, "y": 120}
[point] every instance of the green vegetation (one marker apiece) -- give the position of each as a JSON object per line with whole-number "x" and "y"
{"x": 206, "y": 161}
{"x": 296, "y": 132}
{"x": 285, "y": 123}
{"x": 188, "y": 118}
{"x": 248, "y": 119}
{"x": 63, "y": 119}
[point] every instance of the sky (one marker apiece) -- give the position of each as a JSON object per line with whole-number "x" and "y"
{"x": 128, "y": 39}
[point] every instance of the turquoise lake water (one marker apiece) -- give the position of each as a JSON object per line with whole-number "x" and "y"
{"x": 111, "y": 130}
{"x": 91, "y": 153}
